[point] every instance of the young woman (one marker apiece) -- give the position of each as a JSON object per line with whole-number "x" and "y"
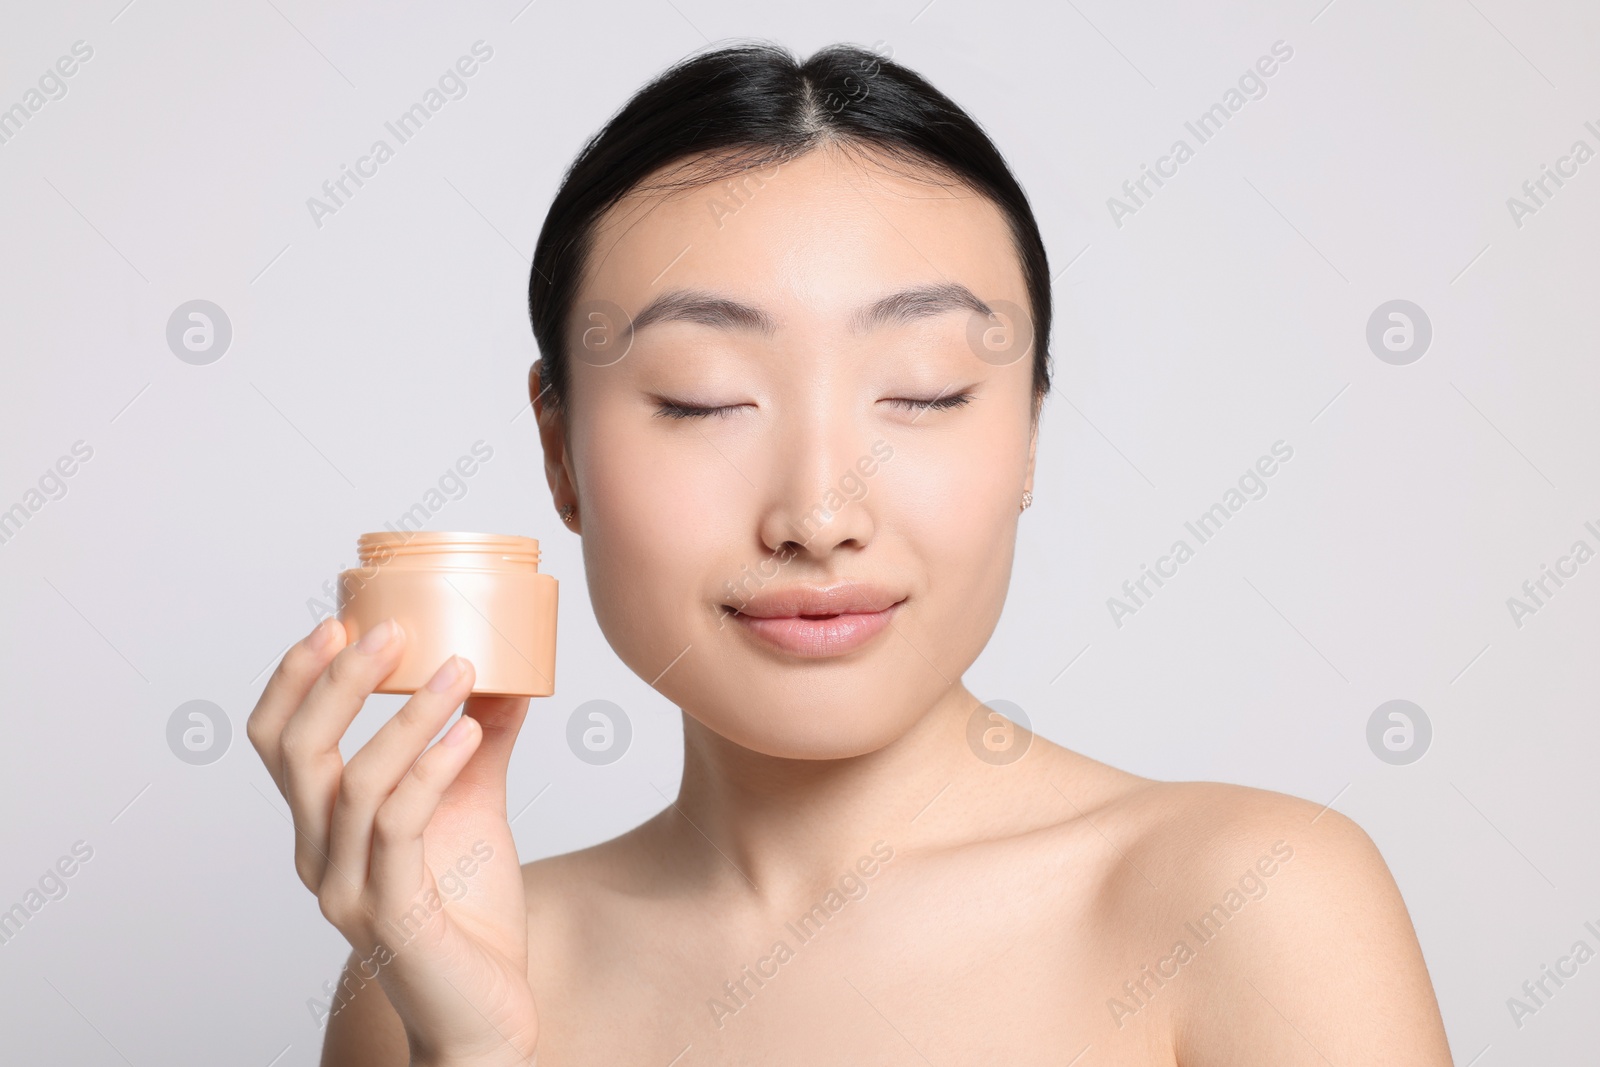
{"x": 794, "y": 322}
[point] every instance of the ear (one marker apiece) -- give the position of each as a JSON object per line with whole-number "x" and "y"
{"x": 553, "y": 437}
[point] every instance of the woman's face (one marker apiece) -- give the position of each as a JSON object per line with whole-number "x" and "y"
{"x": 816, "y": 470}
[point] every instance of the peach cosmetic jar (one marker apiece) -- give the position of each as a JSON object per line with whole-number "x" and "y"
{"x": 476, "y": 595}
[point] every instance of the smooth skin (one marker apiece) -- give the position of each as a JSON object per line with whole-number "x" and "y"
{"x": 963, "y": 909}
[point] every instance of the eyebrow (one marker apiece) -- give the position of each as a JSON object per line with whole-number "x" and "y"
{"x": 902, "y": 306}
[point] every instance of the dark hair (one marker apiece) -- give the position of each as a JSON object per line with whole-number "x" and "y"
{"x": 723, "y": 112}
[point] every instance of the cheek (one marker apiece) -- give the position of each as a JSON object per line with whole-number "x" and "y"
{"x": 654, "y": 520}
{"x": 956, "y": 503}
{"x": 657, "y": 496}
{"x": 958, "y": 492}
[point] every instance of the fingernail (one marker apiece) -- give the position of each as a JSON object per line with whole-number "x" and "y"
{"x": 457, "y": 733}
{"x": 376, "y": 638}
{"x": 446, "y": 675}
{"x": 318, "y": 638}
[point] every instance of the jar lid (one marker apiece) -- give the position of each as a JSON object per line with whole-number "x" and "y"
{"x": 382, "y": 545}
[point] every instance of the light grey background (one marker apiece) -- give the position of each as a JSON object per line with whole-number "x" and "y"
{"x": 368, "y": 354}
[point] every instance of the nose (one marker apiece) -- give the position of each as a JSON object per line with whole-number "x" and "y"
{"x": 817, "y": 499}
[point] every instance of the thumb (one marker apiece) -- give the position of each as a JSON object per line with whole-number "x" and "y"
{"x": 501, "y": 718}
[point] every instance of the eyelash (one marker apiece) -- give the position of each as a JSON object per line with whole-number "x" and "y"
{"x": 942, "y": 403}
{"x": 670, "y": 410}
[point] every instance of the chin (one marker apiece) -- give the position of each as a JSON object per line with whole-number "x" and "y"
{"x": 801, "y": 730}
{"x": 824, "y": 708}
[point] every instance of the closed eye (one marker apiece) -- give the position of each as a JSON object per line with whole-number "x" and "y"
{"x": 671, "y": 409}
{"x": 938, "y": 403}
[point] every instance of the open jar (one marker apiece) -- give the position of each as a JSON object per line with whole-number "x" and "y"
{"x": 476, "y": 595}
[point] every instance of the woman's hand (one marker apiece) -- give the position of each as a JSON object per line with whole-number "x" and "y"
{"x": 408, "y": 851}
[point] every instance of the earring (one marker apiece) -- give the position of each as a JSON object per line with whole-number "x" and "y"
{"x": 566, "y": 513}
{"x": 1027, "y": 499}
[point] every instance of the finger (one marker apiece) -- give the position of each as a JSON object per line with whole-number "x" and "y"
{"x": 398, "y": 860}
{"x": 501, "y": 719}
{"x": 372, "y": 773}
{"x": 290, "y": 681}
{"x": 310, "y": 741}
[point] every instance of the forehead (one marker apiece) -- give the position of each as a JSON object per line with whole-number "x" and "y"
{"x": 812, "y": 238}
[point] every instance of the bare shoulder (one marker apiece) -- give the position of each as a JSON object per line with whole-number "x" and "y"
{"x": 565, "y": 877}
{"x": 1292, "y": 944}
{"x": 551, "y": 888}
{"x": 568, "y": 893}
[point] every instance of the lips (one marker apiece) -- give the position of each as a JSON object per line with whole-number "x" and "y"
{"x": 841, "y": 598}
{"x": 817, "y": 621}
{"x": 802, "y": 635}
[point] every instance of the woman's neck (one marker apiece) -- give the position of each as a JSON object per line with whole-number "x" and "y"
{"x": 774, "y": 830}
